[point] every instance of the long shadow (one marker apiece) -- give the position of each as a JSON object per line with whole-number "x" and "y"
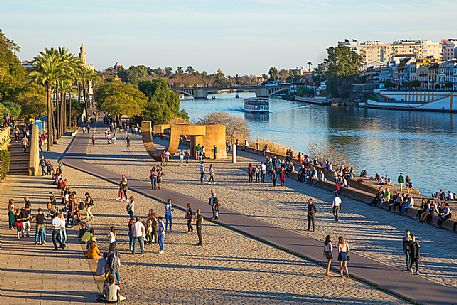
{"x": 53, "y": 296}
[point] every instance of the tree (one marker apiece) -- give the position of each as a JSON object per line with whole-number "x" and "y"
{"x": 163, "y": 103}
{"x": 234, "y": 127}
{"x": 179, "y": 70}
{"x": 273, "y": 72}
{"x": 33, "y": 101}
{"x": 341, "y": 69}
{"x": 168, "y": 71}
{"x": 190, "y": 70}
{"x": 119, "y": 98}
{"x": 136, "y": 74}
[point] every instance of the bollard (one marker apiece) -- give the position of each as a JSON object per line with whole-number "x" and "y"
{"x": 233, "y": 153}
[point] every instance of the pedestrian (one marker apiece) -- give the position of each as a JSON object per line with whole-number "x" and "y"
{"x": 161, "y": 235}
{"x": 56, "y": 235}
{"x": 211, "y": 174}
{"x": 25, "y": 143}
{"x": 250, "y": 172}
{"x": 131, "y": 206}
{"x": 63, "y": 231}
{"x": 282, "y": 177}
{"x": 181, "y": 158}
{"x": 406, "y": 244}
{"x": 274, "y": 177}
{"x": 153, "y": 177}
{"x": 414, "y": 254}
{"x": 159, "y": 177}
{"x": 328, "y": 253}
{"x": 127, "y": 139}
{"x": 122, "y": 193}
{"x": 336, "y": 206}
{"x": 311, "y": 213}
{"x": 43, "y": 166}
{"x": 40, "y": 229}
{"x": 92, "y": 137}
{"x": 401, "y": 181}
{"x": 189, "y": 216}
{"x": 130, "y": 232}
{"x": 112, "y": 235}
{"x": 214, "y": 203}
{"x": 11, "y": 214}
{"x": 168, "y": 215}
{"x": 154, "y": 227}
{"x": 113, "y": 262}
{"x": 186, "y": 157}
{"x": 198, "y": 225}
{"x": 138, "y": 231}
{"x": 263, "y": 172}
{"x": 257, "y": 173}
{"x": 343, "y": 255}
{"x": 19, "y": 223}
{"x": 202, "y": 171}
{"x": 88, "y": 204}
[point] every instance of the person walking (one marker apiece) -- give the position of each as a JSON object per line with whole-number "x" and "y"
{"x": 328, "y": 253}
{"x": 56, "y": 236}
{"x": 311, "y": 213}
{"x": 88, "y": 204}
{"x": 198, "y": 225}
{"x": 274, "y": 176}
{"x": 127, "y": 139}
{"x": 406, "y": 248}
{"x": 161, "y": 235}
{"x": 214, "y": 203}
{"x": 131, "y": 206}
{"x": 250, "y": 172}
{"x": 153, "y": 177}
{"x": 92, "y": 138}
{"x": 130, "y": 232}
{"x": 181, "y": 158}
{"x": 138, "y": 231}
{"x": 282, "y": 177}
{"x": 11, "y": 214}
{"x": 211, "y": 174}
{"x": 189, "y": 216}
{"x": 263, "y": 172}
{"x": 25, "y": 143}
{"x": 343, "y": 255}
{"x": 414, "y": 254}
{"x": 336, "y": 206}
{"x": 186, "y": 157}
{"x": 123, "y": 188}
{"x": 168, "y": 215}
{"x": 202, "y": 171}
{"x": 113, "y": 262}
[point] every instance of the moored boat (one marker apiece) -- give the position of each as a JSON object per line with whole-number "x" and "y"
{"x": 414, "y": 100}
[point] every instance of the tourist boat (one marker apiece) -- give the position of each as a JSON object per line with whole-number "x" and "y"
{"x": 414, "y": 100}
{"x": 256, "y": 105}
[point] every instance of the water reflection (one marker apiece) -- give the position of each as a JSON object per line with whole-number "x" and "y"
{"x": 256, "y": 117}
{"x": 421, "y": 144}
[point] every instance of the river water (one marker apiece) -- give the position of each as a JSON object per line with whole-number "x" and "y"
{"x": 420, "y": 144}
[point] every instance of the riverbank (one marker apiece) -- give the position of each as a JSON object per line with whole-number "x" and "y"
{"x": 373, "y": 233}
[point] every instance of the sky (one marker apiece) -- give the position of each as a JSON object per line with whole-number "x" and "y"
{"x": 237, "y": 36}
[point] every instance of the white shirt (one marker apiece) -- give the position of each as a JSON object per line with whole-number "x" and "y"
{"x": 263, "y": 167}
{"x": 336, "y": 202}
{"x": 55, "y": 222}
{"x": 112, "y": 237}
{"x": 138, "y": 229}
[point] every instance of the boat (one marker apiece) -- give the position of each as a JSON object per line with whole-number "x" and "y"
{"x": 318, "y": 100}
{"x": 414, "y": 100}
{"x": 256, "y": 105}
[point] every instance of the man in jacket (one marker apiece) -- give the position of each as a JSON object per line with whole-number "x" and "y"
{"x": 311, "y": 213}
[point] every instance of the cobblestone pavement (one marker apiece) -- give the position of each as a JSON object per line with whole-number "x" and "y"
{"x": 372, "y": 232}
{"x": 36, "y": 274}
{"x": 229, "y": 269}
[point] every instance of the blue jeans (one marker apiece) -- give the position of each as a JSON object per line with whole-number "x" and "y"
{"x": 141, "y": 241}
{"x": 40, "y": 234}
{"x": 130, "y": 241}
{"x": 168, "y": 219}
{"x": 63, "y": 236}
{"x": 154, "y": 183}
{"x": 161, "y": 241}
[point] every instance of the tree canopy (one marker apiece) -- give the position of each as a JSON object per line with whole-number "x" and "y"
{"x": 119, "y": 98}
{"x": 163, "y": 103}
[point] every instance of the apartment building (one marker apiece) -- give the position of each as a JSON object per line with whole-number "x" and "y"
{"x": 449, "y": 49}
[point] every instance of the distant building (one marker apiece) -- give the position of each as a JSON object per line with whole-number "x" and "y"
{"x": 27, "y": 64}
{"x": 449, "y": 49}
{"x": 376, "y": 51}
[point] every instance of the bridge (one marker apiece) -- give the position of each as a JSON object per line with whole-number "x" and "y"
{"x": 202, "y": 92}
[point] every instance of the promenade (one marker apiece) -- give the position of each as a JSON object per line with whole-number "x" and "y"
{"x": 36, "y": 274}
{"x": 136, "y": 163}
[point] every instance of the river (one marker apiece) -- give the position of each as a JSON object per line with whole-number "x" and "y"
{"x": 419, "y": 144}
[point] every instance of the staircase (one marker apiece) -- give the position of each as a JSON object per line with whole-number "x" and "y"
{"x": 19, "y": 161}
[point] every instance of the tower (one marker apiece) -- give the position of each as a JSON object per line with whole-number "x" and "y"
{"x": 82, "y": 54}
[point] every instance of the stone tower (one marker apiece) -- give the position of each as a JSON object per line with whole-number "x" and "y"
{"x": 82, "y": 54}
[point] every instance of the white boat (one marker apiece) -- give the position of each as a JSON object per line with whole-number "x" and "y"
{"x": 415, "y": 100}
{"x": 256, "y": 105}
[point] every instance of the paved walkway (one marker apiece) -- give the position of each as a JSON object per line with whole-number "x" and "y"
{"x": 397, "y": 282}
{"x": 34, "y": 274}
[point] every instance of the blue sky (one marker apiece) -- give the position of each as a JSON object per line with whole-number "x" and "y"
{"x": 238, "y": 36}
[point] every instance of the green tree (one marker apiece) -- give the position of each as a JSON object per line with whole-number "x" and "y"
{"x": 33, "y": 101}
{"x": 136, "y": 74}
{"x": 190, "y": 70}
{"x": 341, "y": 69}
{"x": 273, "y": 72}
{"x": 163, "y": 103}
{"x": 119, "y": 98}
{"x": 179, "y": 70}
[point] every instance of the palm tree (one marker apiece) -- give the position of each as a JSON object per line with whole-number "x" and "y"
{"x": 309, "y": 66}
{"x": 46, "y": 72}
